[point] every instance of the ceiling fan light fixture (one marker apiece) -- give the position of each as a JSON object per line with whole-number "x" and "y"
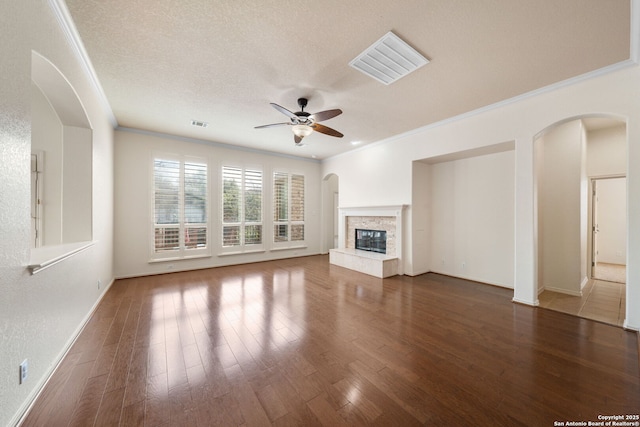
{"x": 302, "y": 130}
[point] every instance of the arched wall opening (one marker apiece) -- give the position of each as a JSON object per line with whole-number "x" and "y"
{"x": 330, "y": 204}
{"x": 61, "y": 166}
{"x": 569, "y": 156}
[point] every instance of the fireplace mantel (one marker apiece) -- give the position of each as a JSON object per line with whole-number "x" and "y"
{"x": 396, "y": 212}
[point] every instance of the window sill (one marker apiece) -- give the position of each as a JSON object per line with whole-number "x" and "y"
{"x": 178, "y": 258}
{"x": 253, "y": 251}
{"x": 47, "y": 256}
{"x": 289, "y": 248}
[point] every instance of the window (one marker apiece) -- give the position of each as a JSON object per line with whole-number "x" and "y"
{"x": 288, "y": 207}
{"x": 180, "y": 208}
{"x": 241, "y": 207}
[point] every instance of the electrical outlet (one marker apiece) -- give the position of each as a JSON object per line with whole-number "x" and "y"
{"x": 24, "y": 371}
{"x": 464, "y": 264}
{"x": 170, "y": 267}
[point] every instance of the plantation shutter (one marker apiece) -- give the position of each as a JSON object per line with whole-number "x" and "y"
{"x": 288, "y": 207}
{"x": 231, "y": 194}
{"x": 166, "y": 174}
{"x": 297, "y": 207}
{"x": 252, "y": 207}
{"x": 195, "y": 205}
{"x": 280, "y": 207}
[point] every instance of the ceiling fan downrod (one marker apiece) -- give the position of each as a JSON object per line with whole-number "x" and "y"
{"x": 302, "y": 102}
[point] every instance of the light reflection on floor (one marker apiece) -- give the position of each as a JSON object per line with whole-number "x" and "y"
{"x": 253, "y": 315}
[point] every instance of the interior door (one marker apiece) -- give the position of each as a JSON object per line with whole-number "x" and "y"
{"x": 609, "y": 240}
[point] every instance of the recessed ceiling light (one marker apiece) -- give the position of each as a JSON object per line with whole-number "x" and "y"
{"x": 356, "y": 142}
{"x": 199, "y": 123}
{"x": 388, "y": 59}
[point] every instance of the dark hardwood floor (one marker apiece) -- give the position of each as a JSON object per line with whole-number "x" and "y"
{"x": 301, "y": 342}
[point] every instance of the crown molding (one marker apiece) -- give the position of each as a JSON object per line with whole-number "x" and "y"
{"x": 635, "y": 31}
{"x": 68, "y": 27}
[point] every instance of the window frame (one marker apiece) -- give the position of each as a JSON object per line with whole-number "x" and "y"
{"x": 182, "y": 251}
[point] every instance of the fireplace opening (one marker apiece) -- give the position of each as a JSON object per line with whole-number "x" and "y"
{"x": 371, "y": 240}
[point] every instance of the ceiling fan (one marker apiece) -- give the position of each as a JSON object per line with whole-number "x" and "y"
{"x": 303, "y": 123}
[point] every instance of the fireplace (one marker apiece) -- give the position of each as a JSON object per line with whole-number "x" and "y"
{"x": 377, "y": 251}
{"x": 371, "y": 240}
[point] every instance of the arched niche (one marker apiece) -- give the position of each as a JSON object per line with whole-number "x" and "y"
{"x": 61, "y": 167}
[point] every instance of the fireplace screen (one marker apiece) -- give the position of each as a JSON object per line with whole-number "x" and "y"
{"x": 371, "y": 240}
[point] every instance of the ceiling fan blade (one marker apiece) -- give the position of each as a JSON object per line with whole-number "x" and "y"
{"x": 325, "y": 115}
{"x": 326, "y": 130}
{"x": 284, "y": 111}
{"x": 272, "y": 125}
{"x": 297, "y": 139}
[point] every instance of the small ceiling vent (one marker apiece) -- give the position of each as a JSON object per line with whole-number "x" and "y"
{"x": 199, "y": 123}
{"x": 388, "y": 59}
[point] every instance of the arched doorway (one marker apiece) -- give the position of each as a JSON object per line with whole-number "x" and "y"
{"x": 570, "y": 157}
{"x": 330, "y": 203}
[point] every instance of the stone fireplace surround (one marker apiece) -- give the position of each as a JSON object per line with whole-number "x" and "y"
{"x": 387, "y": 218}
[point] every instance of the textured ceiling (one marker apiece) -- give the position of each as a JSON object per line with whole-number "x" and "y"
{"x": 163, "y": 63}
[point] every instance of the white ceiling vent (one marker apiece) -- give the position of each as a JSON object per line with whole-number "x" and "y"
{"x": 199, "y": 123}
{"x": 388, "y": 59}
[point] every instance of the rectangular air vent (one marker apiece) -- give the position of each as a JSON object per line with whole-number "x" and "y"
{"x": 388, "y": 59}
{"x": 199, "y": 123}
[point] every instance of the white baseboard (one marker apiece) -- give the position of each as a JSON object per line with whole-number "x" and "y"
{"x": 473, "y": 279}
{"x": 627, "y": 326}
{"x": 536, "y": 303}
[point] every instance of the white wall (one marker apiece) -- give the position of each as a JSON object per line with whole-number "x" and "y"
{"x": 76, "y": 185}
{"x": 133, "y": 160}
{"x": 562, "y": 204}
{"x": 40, "y": 314}
{"x": 419, "y": 240}
{"x": 386, "y": 165}
{"x": 612, "y": 234}
{"x": 472, "y": 218}
{"x": 607, "y": 151}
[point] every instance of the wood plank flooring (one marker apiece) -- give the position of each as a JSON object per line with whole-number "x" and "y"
{"x": 302, "y": 342}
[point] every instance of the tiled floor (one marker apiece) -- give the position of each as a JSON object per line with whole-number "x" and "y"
{"x": 600, "y": 300}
